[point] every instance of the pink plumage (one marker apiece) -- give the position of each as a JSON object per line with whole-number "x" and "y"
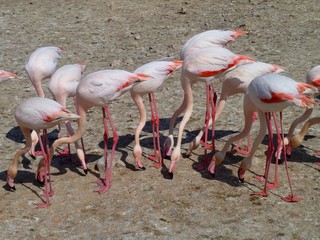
{"x": 159, "y": 71}
{"x": 41, "y": 64}
{"x": 209, "y": 39}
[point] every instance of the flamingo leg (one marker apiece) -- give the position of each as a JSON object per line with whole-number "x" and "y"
{"x": 278, "y": 154}
{"x": 155, "y": 132}
{"x": 291, "y": 197}
{"x": 210, "y": 115}
{"x": 106, "y": 182}
{"x": 48, "y": 192}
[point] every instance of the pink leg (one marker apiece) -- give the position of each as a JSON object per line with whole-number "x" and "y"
{"x": 106, "y": 182}
{"x": 155, "y": 132}
{"x": 291, "y": 197}
{"x": 211, "y": 101}
{"x": 48, "y": 192}
{"x": 278, "y": 154}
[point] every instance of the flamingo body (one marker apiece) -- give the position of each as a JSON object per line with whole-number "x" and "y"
{"x": 235, "y": 81}
{"x": 64, "y": 82}
{"x": 100, "y": 89}
{"x": 268, "y": 94}
{"x": 41, "y": 65}
{"x": 313, "y": 76}
{"x": 203, "y": 65}
{"x": 158, "y": 71}
{"x": 209, "y": 39}
{"x": 37, "y": 114}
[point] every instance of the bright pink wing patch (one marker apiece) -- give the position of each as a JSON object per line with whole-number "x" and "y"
{"x": 277, "y": 97}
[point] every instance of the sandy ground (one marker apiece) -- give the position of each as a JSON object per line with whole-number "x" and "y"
{"x": 143, "y": 204}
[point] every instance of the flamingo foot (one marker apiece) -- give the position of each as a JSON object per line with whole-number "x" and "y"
{"x": 211, "y": 169}
{"x": 35, "y": 154}
{"x": 203, "y": 164}
{"x": 208, "y": 146}
{"x": 272, "y": 185}
{"x": 262, "y": 194}
{"x": 154, "y": 158}
{"x": 62, "y": 153}
{"x": 291, "y": 198}
{"x": 44, "y": 204}
{"x": 157, "y": 164}
{"x": 260, "y": 178}
{"x": 10, "y": 182}
{"x": 240, "y": 151}
{"x": 241, "y": 173}
{"x": 104, "y": 185}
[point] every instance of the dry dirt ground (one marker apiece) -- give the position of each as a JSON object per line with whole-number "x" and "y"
{"x": 125, "y": 34}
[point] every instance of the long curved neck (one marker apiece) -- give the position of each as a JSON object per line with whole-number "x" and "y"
{"x": 188, "y": 101}
{"x": 82, "y": 112}
{"x": 300, "y": 119}
{"x": 307, "y": 125}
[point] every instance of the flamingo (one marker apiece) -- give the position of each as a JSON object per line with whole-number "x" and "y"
{"x": 63, "y": 84}
{"x": 6, "y": 75}
{"x": 203, "y": 65}
{"x": 100, "y": 89}
{"x": 208, "y": 39}
{"x": 235, "y": 81}
{"x": 40, "y": 65}
{"x": 159, "y": 72}
{"x": 38, "y": 114}
{"x": 268, "y": 94}
{"x": 313, "y": 78}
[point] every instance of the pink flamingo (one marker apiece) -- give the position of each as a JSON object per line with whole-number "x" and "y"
{"x": 100, "y": 89}
{"x": 268, "y": 94}
{"x": 38, "y": 114}
{"x": 6, "y": 75}
{"x": 159, "y": 72}
{"x": 203, "y": 65}
{"x": 62, "y": 85}
{"x": 313, "y": 78}
{"x": 208, "y": 39}
{"x": 40, "y": 65}
{"x": 235, "y": 81}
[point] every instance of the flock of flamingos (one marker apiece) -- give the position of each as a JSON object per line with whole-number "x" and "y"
{"x": 204, "y": 58}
